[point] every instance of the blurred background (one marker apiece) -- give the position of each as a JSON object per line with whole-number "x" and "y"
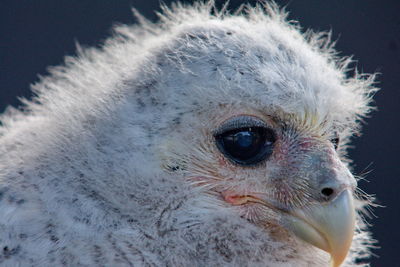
{"x": 37, "y": 34}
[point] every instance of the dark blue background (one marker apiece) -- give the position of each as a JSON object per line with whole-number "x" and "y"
{"x": 37, "y": 34}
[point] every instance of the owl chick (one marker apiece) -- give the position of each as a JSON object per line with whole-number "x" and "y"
{"x": 205, "y": 139}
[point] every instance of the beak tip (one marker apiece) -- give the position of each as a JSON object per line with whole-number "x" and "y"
{"x": 329, "y": 227}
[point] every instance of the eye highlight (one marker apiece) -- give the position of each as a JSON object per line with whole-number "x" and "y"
{"x": 245, "y": 140}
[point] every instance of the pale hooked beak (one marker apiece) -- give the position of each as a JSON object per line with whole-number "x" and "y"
{"x": 329, "y": 226}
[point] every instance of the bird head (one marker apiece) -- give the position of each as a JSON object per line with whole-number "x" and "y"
{"x": 259, "y": 123}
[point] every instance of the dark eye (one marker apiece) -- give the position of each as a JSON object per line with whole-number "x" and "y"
{"x": 247, "y": 145}
{"x": 335, "y": 142}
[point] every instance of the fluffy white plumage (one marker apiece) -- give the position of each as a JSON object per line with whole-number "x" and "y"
{"x": 114, "y": 162}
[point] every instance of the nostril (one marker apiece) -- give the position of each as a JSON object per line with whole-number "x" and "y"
{"x": 327, "y": 192}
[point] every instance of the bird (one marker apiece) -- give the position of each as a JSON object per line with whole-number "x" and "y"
{"x": 208, "y": 138}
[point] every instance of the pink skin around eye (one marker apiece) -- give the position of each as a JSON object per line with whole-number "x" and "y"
{"x": 221, "y": 162}
{"x": 308, "y": 143}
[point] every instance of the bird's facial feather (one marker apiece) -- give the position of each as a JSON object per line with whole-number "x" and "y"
{"x": 300, "y": 170}
{"x": 298, "y": 156}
